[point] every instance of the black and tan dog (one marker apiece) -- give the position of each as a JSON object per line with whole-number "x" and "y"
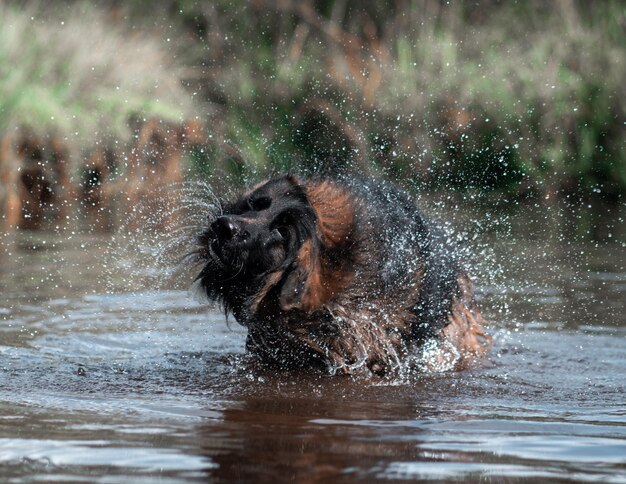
{"x": 338, "y": 275}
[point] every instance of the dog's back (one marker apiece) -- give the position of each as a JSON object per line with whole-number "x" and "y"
{"x": 410, "y": 248}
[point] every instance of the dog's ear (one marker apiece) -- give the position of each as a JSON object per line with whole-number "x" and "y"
{"x": 334, "y": 209}
{"x": 302, "y": 288}
{"x": 313, "y": 280}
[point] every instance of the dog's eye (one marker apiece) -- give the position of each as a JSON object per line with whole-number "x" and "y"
{"x": 283, "y": 231}
{"x": 258, "y": 204}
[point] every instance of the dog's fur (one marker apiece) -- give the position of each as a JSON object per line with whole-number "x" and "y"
{"x": 337, "y": 275}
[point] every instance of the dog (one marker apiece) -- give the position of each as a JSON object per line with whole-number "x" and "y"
{"x": 341, "y": 276}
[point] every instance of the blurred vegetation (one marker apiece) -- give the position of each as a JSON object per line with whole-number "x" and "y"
{"x": 72, "y": 72}
{"x": 525, "y": 98}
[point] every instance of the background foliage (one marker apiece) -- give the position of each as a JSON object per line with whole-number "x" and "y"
{"x": 526, "y": 98}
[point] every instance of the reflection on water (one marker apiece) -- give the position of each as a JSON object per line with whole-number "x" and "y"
{"x": 96, "y": 381}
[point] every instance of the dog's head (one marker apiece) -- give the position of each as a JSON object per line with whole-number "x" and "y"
{"x": 277, "y": 247}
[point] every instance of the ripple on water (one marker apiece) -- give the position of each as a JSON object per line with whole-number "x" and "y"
{"x": 88, "y": 453}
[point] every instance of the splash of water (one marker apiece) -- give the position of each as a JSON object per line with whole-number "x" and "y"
{"x": 156, "y": 244}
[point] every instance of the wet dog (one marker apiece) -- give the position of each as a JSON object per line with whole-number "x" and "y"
{"x": 342, "y": 276}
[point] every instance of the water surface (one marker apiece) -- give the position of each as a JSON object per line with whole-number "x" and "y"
{"x": 101, "y": 384}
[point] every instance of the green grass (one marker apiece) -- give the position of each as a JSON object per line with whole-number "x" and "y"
{"x": 517, "y": 98}
{"x": 541, "y": 85}
{"x": 71, "y": 70}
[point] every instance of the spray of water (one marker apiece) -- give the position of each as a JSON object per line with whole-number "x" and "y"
{"x": 156, "y": 246}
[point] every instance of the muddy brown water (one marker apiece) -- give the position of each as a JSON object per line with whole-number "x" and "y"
{"x": 102, "y": 384}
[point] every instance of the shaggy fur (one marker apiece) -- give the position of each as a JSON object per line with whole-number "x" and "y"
{"x": 337, "y": 275}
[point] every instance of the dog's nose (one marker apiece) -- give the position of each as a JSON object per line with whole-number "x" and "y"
{"x": 224, "y": 228}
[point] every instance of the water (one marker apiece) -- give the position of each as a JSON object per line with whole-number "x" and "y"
{"x": 98, "y": 384}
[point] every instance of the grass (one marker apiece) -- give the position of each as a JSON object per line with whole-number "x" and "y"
{"x": 522, "y": 98}
{"x": 525, "y": 98}
{"x": 70, "y": 69}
